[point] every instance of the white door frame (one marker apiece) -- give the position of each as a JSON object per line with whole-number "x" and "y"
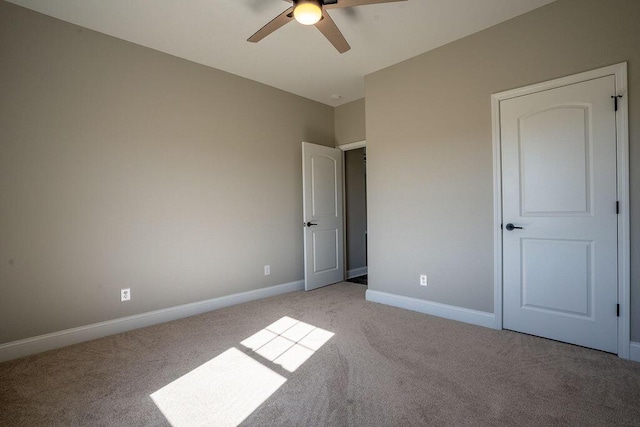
{"x": 619, "y": 71}
{"x": 352, "y": 145}
{"x": 347, "y": 147}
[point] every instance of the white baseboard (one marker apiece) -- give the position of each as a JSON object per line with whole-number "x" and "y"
{"x": 634, "y": 351}
{"x": 356, "y": 272}
{"x": 25, "y": 347}
{"x": 460, "y": 314}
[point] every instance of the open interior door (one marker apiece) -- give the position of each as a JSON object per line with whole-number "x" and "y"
{"x": 322, "y": 215}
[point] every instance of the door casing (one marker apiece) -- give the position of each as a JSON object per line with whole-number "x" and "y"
{"x": 619, "y": 71}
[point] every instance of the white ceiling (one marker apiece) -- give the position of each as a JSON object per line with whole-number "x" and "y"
{"x": 295, "y": 58}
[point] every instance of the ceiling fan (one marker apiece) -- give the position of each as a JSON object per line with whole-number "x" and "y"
{"x": 314, "y": 12}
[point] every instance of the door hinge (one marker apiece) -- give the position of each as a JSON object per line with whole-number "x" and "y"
{"x": 617, "y": 207}
{"x": 618, "y": 310}
{"x": 615, "y": 102}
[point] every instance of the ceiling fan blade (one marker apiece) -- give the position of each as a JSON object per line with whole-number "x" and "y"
{"x": 352, "y": 3}
{"x": 332, "y": 33}
{"x": 277, "y": 22}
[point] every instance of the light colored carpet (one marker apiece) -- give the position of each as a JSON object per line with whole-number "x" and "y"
{"x": 382, "y": 366}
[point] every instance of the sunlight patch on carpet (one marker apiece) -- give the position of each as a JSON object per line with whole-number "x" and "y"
{"x": 227, "y": 389}
{"x": 223, "y": 391}
{"x": 288, "y": 342}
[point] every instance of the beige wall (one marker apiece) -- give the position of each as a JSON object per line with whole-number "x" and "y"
{"x": 429, "y": 147}
{"x": 124, "y": 167}
{"x": 350, "y": 122}
{"x": 355, "y": 208}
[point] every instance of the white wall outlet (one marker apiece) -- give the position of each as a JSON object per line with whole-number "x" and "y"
{"x": 267, "y": 270}
{"x": 423, "y": 280}
{"x": 125, "y": 294}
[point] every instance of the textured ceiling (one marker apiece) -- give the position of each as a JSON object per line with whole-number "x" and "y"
{"x": 295, "y": 58}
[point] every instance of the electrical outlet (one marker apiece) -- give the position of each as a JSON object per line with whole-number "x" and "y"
{"x": 267, "y": 270}
{"x": 423, "y": 280}
{"x": 125, "y": 294}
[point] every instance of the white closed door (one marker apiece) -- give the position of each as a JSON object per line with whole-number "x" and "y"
{"x": 322, "y": 215}
{"x": 559, "y": 185}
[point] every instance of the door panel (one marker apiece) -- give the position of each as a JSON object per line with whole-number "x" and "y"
{"x": 322, "y": 206}
{"x": 323, "y": 186}
{"x": 559, "y": 185}
{"x": 554, "y": 154}
{"x": 325, "y": 250}
{"x": 556, "y": 276}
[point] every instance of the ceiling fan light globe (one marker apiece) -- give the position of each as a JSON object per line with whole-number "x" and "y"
{"x": 307, "y": 12}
